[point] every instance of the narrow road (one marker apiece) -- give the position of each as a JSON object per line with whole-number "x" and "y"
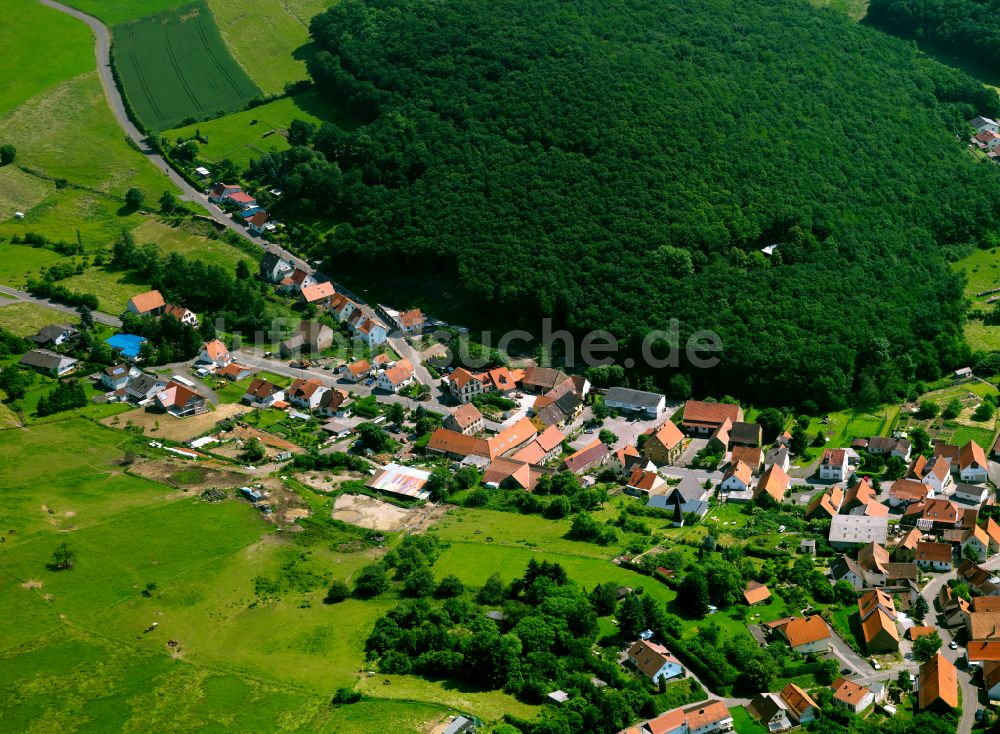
{"x": 99, "y": 316}
{"x": 970, "y": 692}
{"x": 102, "y": 50}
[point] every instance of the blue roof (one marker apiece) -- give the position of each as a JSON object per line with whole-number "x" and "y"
{"x": 127, "y": 344}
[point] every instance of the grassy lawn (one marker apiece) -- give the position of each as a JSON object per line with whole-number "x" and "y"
{"x": 982, "y": 336}
{"x": 18, "y": 262}
{"x": 20, "y": 191}
{"x": 113, "y": 288}
{"x": 24, "y": 319}
{"x": 31, "y": 32}
{"x": 982, "y": 272}
{"x": 266, "y": 39}
{"x": 191, "y": 244}
{"x": 252, "y": 133}
{"x": 744, "y": 723}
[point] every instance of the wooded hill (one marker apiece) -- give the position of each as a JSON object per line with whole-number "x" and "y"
{"x": 617, "y": 163}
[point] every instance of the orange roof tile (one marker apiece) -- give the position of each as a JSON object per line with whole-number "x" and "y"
{"x": 938, "y": 682}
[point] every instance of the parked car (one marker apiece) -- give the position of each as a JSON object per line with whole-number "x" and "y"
{"x": 847, "y": 671}
{"x": 952, "y": 645}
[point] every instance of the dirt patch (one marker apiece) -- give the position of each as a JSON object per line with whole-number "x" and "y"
{"x": 295, "y": 513}
{"x": 188, "y": 475}
{"x": 273, "y": 445}
{"x": 374, "y": 514}
{"x": 163, "y": 425}
{"x": 32, "y": 584}
{"x": 327, "y": 481}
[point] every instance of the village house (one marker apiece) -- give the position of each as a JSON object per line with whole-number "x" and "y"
{"x": 937, "y": 685}
{"x": 150, "y": 303}
{"x": 274, "y": 268}
{"x": 984, "y": 124}
{"x": 707, "y": 717}
{"x": 718, "y": 440}
{"x": 261, "y": 393}
{"x": 319, "y": 294}
{"x": 933, "y": 556}
{"x": 357, "y": 371}
{"x": 756, "y": 593}
{"x": 934, "y": 514}
{"x": 825, "y": 505}
{"x": 144, "y": 388}
{"x": 259, "y": 223}
{"x": 972, "y": 465}
{"x": 544, "y": 447}
{"x": 906, "y": 492}
{"x": 859, "y": 496}
{"x": 847, "y": 569}
{"x": 306, "y": 392}
{"x": 465, "y": 419}
{"x": 625, "y": 458}
{"x": 801, "y": 706}
{"x": 180, "y": 400}
{"x": 993, "y": 531}
{"x": 48, "y": 362}
{"x": 905, "y": 551}
{"x": 654, "y": 661}
{"x": 645, "y": 484}
{"x": 184, "y": 315}
{"x": 513, "y": 474}
{"x": 296, "y": 281}
{"x": 846, "y": 531}
{"x": 215, "y": 353}
{"x": 771, "y": 711}
{"x": 55, "y": 335}
{"x": 341, "y": 307}
{"x": 939, "y": 478}
{"x": 752, "y": 456}
{"x": 806, "y": 634}
{"x": 833, "y": 465}
{"x": 737, "y": 478}
{"x": 625, "y": 400}
{"x": 590, "y": 456}
{"x": 745, "y": 434}
{"x": 774, "y": 483}
{"x": 991, "y": 679}
{"x": 878, "y": 622}
{"x": 976, "y": 541}
{"x": 883, "y": 446}
{"x": 234, "y": 372}
{"x": 705, "y": 418}
{"x": 222, "y": 191}
{"x": 539, "y": 380}
{"x": 397, "y": 377}
{"x": 982, "y": 625}
{"x": 665, "y": 444}
{"x": 332, "y": 402}
{"x": 987, "y": 140}
{"x": 777, "y": 456}
{"x": 851, "y": 696}
{"x": 411, "y": 322}
{"x": 116, "y": 377}
{"x": 972, "y": 493}
{"x": 372, "y": 332}
{"x": 241, "y": 200}
{"x": 310, "y": 337}
{"x": 459, "y": 445}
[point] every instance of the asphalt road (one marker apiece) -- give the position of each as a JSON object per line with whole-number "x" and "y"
{"x": 102, "y": 318}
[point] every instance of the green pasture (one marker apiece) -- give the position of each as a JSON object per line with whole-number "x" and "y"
{"x": 174, "y": 65}
{"x": 191, "y": 244}
{"x": 261, "y": 130}
{"x": 25, "y": 319}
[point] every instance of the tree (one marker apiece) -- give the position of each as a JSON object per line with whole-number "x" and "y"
{"x": 134, "y": 198}
{"x": 86, "y": 317}
{"x": 970, "y": 554}
{"x": 631, "y": 617}
{"x": 927, "y": 409}
{"x": 14, "y": 382}
{"x": 8, "y": 154}
{"x": 820, "y": 439}
{"x": 63, "y": 557}
{"x": 903, "y": 680}
{"x": 692, "y": 594}
{"x": 607, "y": 437}
{"x": 919, "y": 609}
{"x": 844, "y": 593}
{"x": 372, "y": 581}
{"x": 772, "y": 422}
{"x": 337, "y": 592}
{"x": 396, "y": 413}
{"x": 952, "y": 410}
{"x": 373, "y": 437}
{"x": 895, "y": 468}
{"x": 921, "y": 440}
{"x": 799, "y": 441}
{"x": 926, "y": 647}
{"x": 984, "y": 412}
{"x": 492, "y": 591}
{"x": 242, "y": 271}
{"x": 168, "y": 203}
{"x": 254, "y": 451}
{"x": 450, "y": 586}
{"x": 604, "y": 599}
{"x": 420, "y": 583}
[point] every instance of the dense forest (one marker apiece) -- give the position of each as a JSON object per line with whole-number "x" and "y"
{"x": 965, "y": 27}
{"x": 618, "y": 164}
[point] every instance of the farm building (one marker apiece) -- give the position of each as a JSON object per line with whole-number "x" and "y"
{"x": 401, "y": 481}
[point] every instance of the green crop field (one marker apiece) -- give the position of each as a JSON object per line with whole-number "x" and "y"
{"x": 174, "y": 66}
{"x": 113, "y": 12}
{"x": 252, "y": 133}
{"x": 266, "y": 39}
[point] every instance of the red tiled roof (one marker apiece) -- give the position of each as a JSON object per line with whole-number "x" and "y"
{"x": 938, "y": 682}
{"x": 697, "y": 412}
{"x": 317, "y": 292}
{"x": 148, "y": 301}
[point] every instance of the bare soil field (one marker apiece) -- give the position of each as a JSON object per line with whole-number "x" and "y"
{"x": 327, "y": 481}
{"x": 273, "y": 445}
{"x": 368, "y": 512}
{"x": 162, "y": 425}
{"x": 189, "y": 475}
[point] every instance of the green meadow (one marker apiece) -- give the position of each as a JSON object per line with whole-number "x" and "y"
{"x": 255, "y": 132}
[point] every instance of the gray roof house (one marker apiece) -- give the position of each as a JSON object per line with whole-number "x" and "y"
{"x": 54, "y": 334}
{"x": 48, "y": 362}
{"x": 635, "y": 401}
{"x": 849, "y": 530}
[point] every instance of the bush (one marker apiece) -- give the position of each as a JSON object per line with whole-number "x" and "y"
{"x": 343, "y": 696}
{"x": 337, "y": 593}
{"x": 371, "y": 582}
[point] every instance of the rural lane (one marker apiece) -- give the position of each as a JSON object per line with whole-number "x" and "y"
{"x": 102, "y": 50}
{"x": 99, "y": 316}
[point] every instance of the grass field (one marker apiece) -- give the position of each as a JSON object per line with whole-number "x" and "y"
{"x": 266, "y": 39}
{"x": 17, "y": 262}
{"x": 238, "y": 138}
{"x": 185, "y": 240}
{"x": 24, "y": 319}
{"x": 112, "y": 288}
{"x": 744, "y": 723}
{"x": 174, "y": 65}
{"x": 31, "y": 32}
